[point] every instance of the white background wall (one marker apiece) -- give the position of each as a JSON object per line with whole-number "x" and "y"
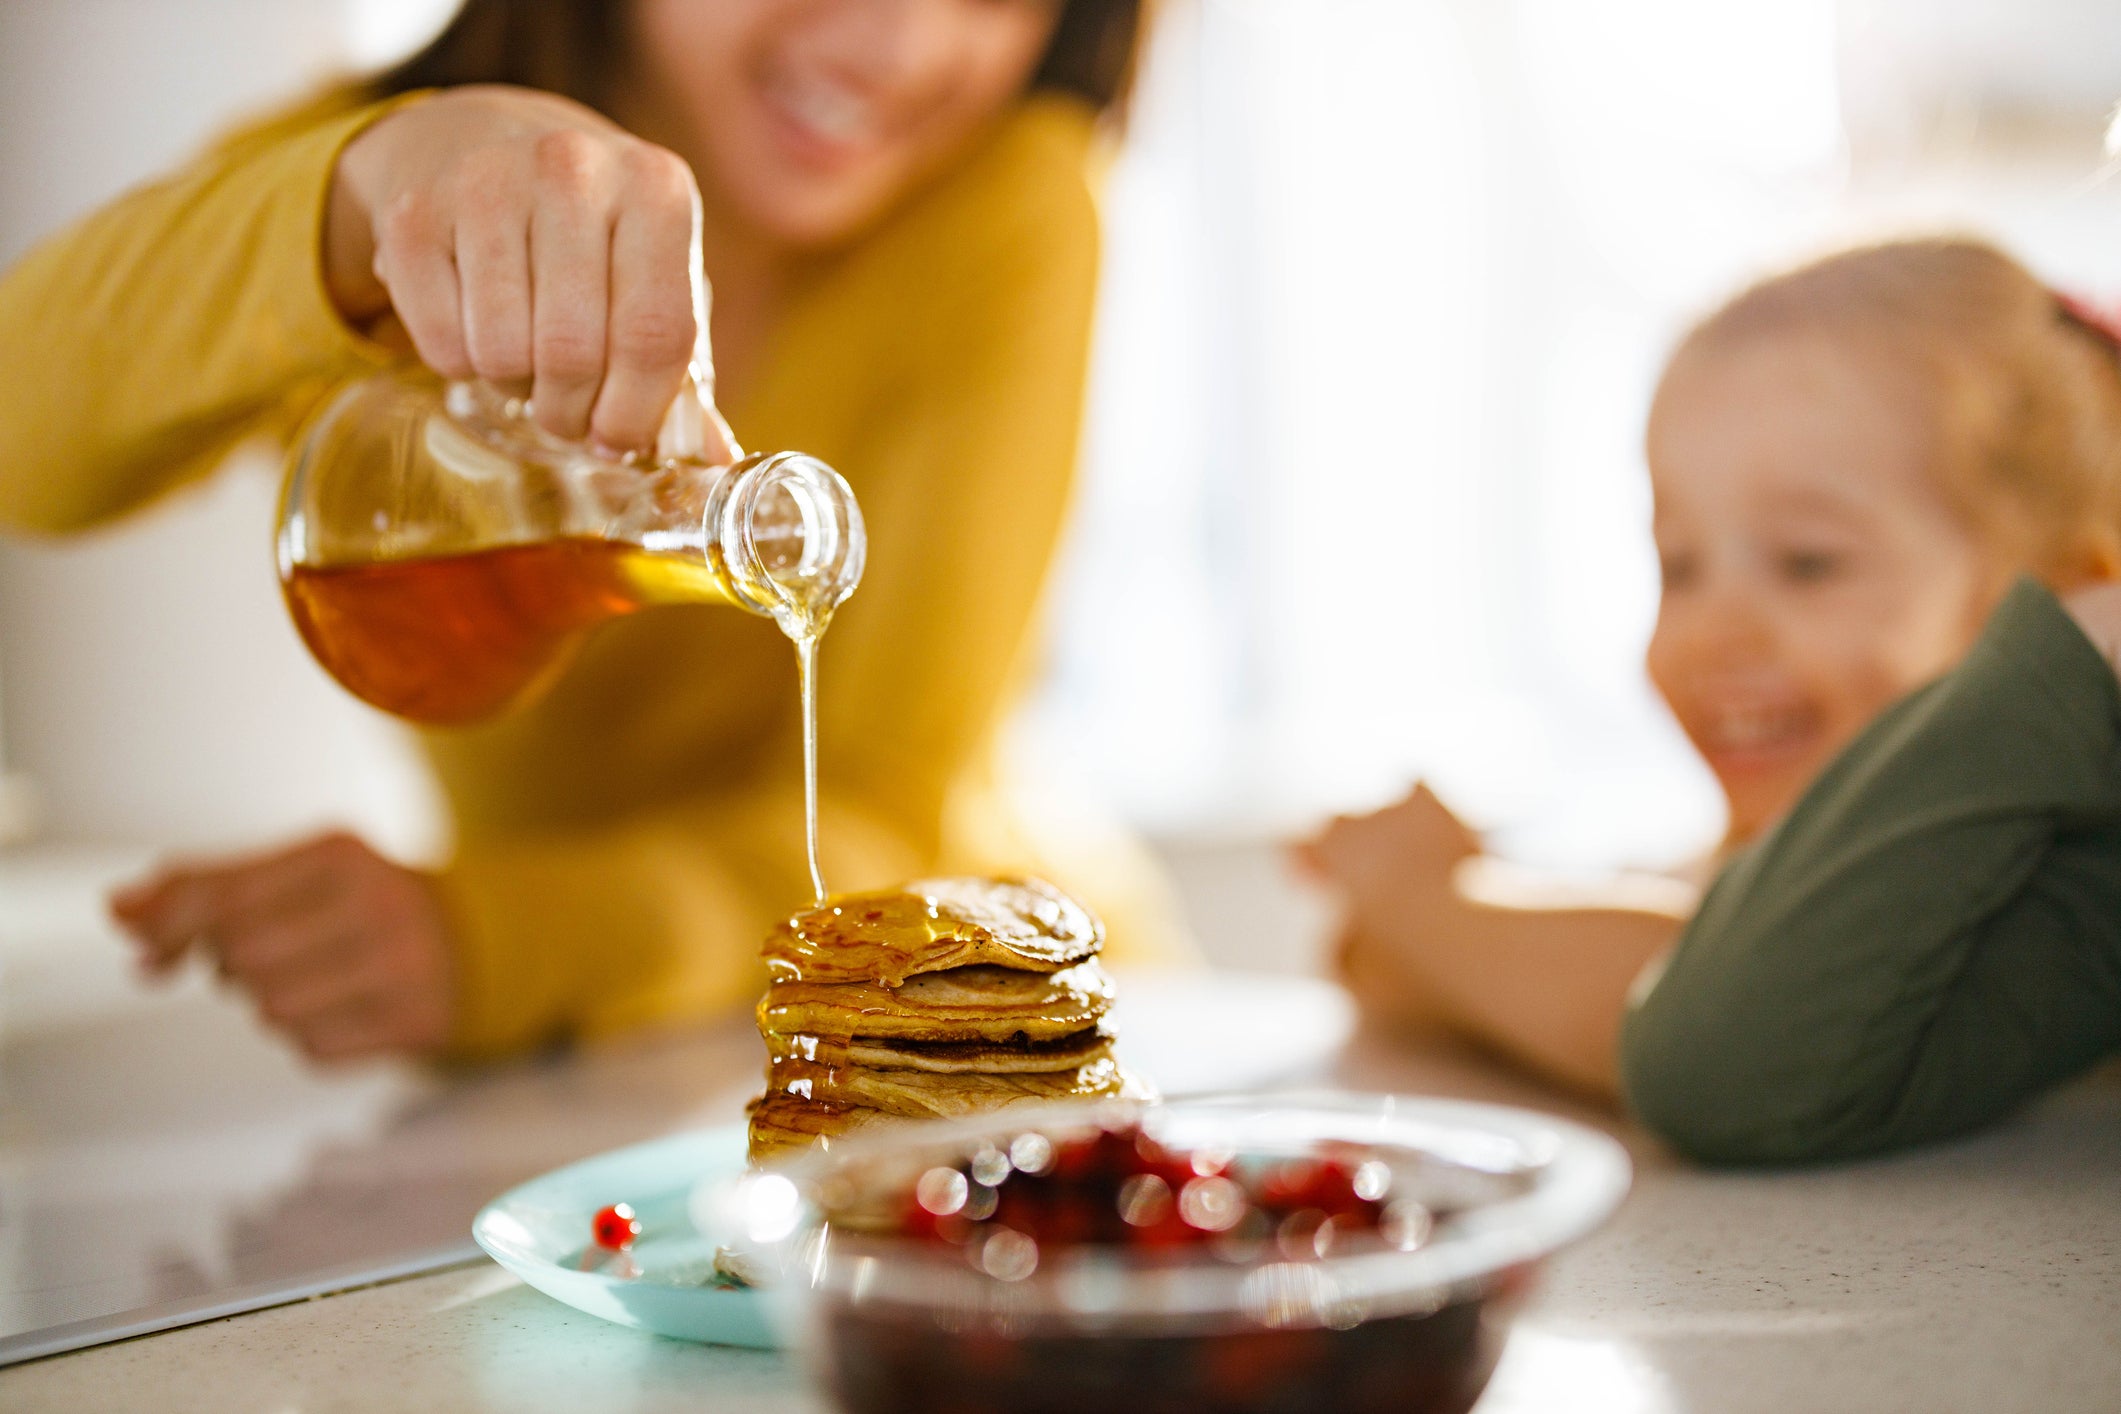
{"x": 151, "y": 688}
{"x": 1389, "y": 283}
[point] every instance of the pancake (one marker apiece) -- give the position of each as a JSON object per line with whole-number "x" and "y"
{"x": 785, "y": 1124}
{"x": 1014, "y": 1057}
{"x": 934, "y": 925}
{"x": 914, "y": 1094}
{"x": 962, "y": 1004}
{"x": 945, "y": 998}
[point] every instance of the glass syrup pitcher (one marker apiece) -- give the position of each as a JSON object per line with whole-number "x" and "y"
{"x": 441, "y": 555}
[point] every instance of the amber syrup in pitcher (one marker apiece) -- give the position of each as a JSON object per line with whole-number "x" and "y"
{"x": 454, "y": 639}
{"x": 442, "y": 558}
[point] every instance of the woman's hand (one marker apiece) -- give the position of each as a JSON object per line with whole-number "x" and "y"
{"x": 342, "y": 949}
{"x": 521, "y": 238}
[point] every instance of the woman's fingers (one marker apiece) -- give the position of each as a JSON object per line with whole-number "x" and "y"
{"x": 277, "y": 952}
{"x": 653, "y": 327}
{"x": 181, "y": 906}
{"x": 493, "y": 273}
{"x": 392, "y": 1020}
{"x": 341, "y": 983}
{"x": 338, "y": 973}
{"x": 525, "y": 240}
{"x": 356, "y": 1027}
{"x": 570, "y": 261}
{"x": 416, "y": 261}
{"x": 341, "y": 948}
{"x": 140, "y": 909}
{"x": 570, "y": 256}
{"x": 344, "y": 981}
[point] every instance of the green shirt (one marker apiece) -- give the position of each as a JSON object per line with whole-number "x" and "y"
{"x": 1931, "y": 937}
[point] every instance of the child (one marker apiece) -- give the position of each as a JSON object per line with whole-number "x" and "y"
{"x": 1851, "y": 464}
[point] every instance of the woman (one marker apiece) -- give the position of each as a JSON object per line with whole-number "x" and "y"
{"x": 891, "y": 204}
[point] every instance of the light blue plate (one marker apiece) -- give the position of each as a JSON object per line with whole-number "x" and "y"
{"x": 1188, "y": 1032}
{"x": 540, "y": 1231}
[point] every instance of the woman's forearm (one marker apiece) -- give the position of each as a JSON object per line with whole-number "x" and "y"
{"x": 137, "y": 345}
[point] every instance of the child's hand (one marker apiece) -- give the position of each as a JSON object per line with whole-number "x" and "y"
{"x": 1388, "y": 984}
{"x": 342, "y": 949}
{"x": 1394, "y": 866}
{"x": 1393, "y": 871}
{"x": 1546, "y": 985}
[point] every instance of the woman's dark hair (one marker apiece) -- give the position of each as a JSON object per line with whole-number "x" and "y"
{"x": 574, "y": 48}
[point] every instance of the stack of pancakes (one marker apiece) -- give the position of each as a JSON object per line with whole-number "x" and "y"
{"x": 943, "y": 998}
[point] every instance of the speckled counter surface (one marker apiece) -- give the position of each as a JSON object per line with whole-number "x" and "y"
{"x": 1982, "y": 1276}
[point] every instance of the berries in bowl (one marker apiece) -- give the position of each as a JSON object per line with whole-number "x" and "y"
{"x": 1216, "y": 1256}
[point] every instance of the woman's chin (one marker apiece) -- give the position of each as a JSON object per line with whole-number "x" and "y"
{"x": 819, "y": 222}
{"x": 802, "y": 209}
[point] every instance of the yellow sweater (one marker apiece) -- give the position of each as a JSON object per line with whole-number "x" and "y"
{"x": 623, "y": 842}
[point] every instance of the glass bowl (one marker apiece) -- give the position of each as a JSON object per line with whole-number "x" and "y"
{"x": 1407, "y": 1314}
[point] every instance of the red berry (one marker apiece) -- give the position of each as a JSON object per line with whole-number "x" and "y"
{"x": 917, "y": 1221}
{"x": 1168, "y": 1231}
{"x": 1017, "y": 1206}
{"x": 1173, "y": 1166}
{"x": 1336, "y": 1193}
{"x": 1074, "y": 1160}
{"x": 1118, "y": 1185}
{"x": 1284, "y": 1185}
{"x": 615, "y": 1227}
{"x": 1070, "y": 1220}
{"x": 1316, "y": 1183}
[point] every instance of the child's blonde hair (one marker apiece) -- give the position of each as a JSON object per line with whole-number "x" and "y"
{"x": 2022, "y": 392}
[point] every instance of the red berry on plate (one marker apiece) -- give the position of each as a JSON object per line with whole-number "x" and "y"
{"x": 1324, "y": 1184}
{"x": 1074, "y": 1160}
{"x": 615, "y": 1227}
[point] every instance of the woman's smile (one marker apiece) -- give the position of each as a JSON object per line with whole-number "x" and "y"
{"x": 808, "y": 120}
{"x": 823, "y": 122}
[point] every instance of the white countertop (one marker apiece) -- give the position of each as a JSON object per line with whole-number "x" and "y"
{"x": 1979, "y": 1276}
{"x": 1982, "y": 1277}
